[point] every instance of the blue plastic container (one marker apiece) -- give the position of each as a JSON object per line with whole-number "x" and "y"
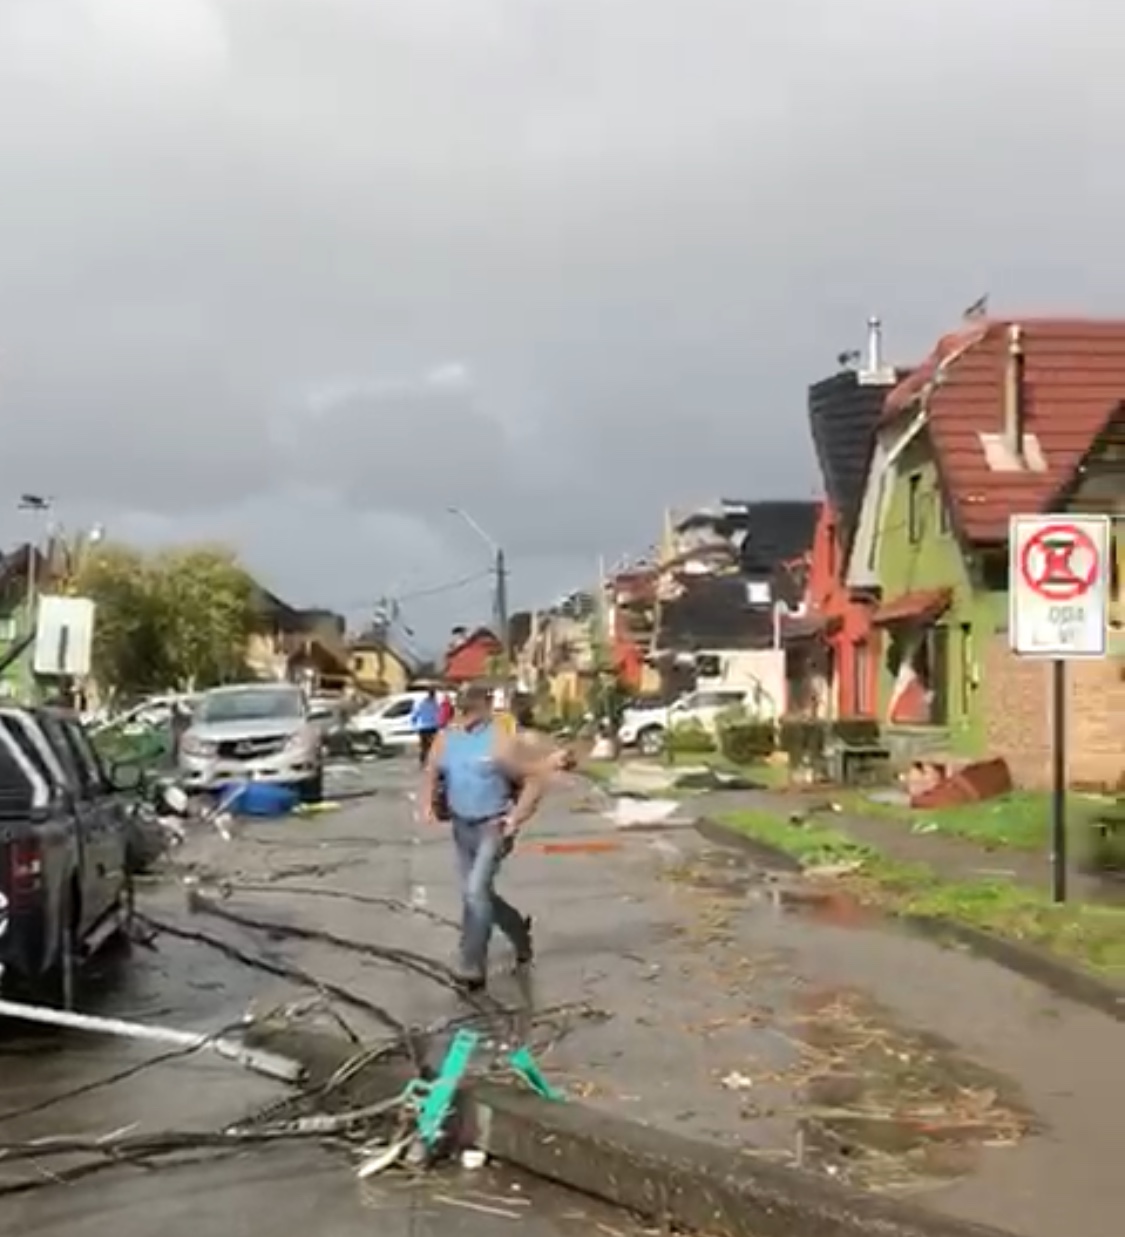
{"x": 263, "y": 799}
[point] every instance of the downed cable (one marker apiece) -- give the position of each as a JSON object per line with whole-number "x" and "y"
{"x": 123, "y": 1075}
{"x": 125, "y": 1146}
{"x": 311, "y": 891}
{"x": 283, "y": 970}
{"x": 439, "y": 972}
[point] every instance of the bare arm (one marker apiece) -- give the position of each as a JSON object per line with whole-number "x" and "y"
{"x": 430, "y": 778}
{"x": 523, "y": 761}
{"x": 533, "y": 771}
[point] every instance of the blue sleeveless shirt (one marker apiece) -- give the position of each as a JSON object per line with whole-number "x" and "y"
{"x": 476, "y": 788}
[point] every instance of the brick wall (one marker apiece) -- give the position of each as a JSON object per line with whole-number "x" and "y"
{"x": 1018, "y": 720}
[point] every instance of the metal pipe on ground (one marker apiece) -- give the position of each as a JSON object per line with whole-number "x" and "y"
{"x": 261, "y": 1061}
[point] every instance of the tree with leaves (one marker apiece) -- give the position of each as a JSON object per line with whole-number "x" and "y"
{"x": 127, "y": 656}
{"x": 180, "y": 618}
{"x": 204, "y": 604}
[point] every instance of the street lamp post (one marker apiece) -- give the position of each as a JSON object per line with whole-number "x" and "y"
{"x": 500, "y": 567}
{"x": 40, "y": 505}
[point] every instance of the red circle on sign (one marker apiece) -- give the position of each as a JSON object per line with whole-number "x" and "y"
{"x": 1065, "y": 587}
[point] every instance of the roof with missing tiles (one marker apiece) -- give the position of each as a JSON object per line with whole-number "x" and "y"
{"x": 1073, "y": 381}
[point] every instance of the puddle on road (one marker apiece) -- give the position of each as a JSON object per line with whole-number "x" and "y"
{"x": 870, "y": 1102}
{"x": 887, "y": 1107}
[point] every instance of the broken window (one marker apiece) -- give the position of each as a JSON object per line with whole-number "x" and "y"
{"x": 914, "y": 508}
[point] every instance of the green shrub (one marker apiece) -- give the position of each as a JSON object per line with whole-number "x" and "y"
{"x": 1107, "y": 840}
{"x": 747, "y": 742}
{"x": 804, "y": 741}
{"x": 689, "y": 738}
{"x": 808, "y": 741}
{"x": 857, "y": 731}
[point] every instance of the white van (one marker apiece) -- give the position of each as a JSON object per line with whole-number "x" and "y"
{"x": 384, "y": 724}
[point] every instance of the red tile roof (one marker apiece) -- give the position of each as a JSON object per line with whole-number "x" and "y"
{"x": 1073, "y": 382}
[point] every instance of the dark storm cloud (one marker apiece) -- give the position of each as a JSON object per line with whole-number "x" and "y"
{"x": 240, "y": 239}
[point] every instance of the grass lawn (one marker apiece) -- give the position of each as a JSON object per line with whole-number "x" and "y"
{"x": 1017, "y": 821}
{"x": 1093, "y": 936}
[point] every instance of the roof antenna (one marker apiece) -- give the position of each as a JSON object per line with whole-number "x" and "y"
{"x": 978, "y": 309}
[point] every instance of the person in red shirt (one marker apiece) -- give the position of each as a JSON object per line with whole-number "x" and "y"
{"x": 445, "y": 711}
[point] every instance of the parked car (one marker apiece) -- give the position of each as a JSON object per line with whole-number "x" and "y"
{"x": 63, "y": 852}
{"x": 646, "y": 726}
{"x": 253, "y": 731}
{"x": 149, "y": 714}
{"x": 384, "y": 725}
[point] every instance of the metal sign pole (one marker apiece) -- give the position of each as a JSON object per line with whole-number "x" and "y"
{"x": 1058, "y": 589}
{"x": 1058, "y": 779}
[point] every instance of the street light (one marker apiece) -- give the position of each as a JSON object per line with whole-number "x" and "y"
{"x": 39, "y": 504}
{"x": 501, "y": 569}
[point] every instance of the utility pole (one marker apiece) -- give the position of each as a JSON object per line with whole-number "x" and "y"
{"x": 40, "y": 505}
{"x": 500, "y": 567}
{"x": 502, "y": 607}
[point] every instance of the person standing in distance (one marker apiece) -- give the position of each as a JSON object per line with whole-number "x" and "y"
{"x": 488, "y": 787}
{"x": 425, "y": 720}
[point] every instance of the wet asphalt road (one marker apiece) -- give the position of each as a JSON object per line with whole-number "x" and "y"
{"x": 285, "y": 1188}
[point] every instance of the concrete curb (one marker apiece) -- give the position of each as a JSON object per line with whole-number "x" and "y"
{"x": 684, "y": 1183}
{"x": 663, "y": 1177}
{"x": 1050, "y": 972}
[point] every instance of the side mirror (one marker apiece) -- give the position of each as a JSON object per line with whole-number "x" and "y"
{"x": 126, "y": 776}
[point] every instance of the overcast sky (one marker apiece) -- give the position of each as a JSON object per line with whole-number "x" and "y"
{"x": 304, "y": 273}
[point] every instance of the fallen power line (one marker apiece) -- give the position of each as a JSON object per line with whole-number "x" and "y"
{"x": 283, "y": 970}
{"x": 431, "y": 968}
{"x": 399, "y": 905}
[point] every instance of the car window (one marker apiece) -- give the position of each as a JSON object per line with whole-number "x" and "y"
{"x": 23, "y": 740}
{"x": 16, "y": 796}
{"x": 53, "y": 732}
{"x": 90, "y": 777}
{"x": 251, "y": 704}
{"x": 401, "y": 708}
{"x": 88, "y": 755}
{"x": 719, "y": 699}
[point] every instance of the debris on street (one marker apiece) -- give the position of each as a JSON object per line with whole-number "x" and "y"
{"x": 268, "y": 1063}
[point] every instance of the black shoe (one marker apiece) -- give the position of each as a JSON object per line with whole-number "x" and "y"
{"x": 471, "y": 984}
{"x": 526, "y": 955}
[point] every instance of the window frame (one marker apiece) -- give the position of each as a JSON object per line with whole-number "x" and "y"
{"x": 914, "y": 508}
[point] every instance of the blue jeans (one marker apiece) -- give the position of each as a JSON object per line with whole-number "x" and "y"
{"x": 481, "y": 850}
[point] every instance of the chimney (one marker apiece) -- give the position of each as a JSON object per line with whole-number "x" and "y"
{"x": 1014, "y": 411}
{"x": 874, "y": 371}
{"x": 874, "y": 345}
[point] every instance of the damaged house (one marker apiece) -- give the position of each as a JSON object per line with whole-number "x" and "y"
{"x": 832, "y": 648}
{"x": 1003, "y": 418}
{"x": 721, "y": 598}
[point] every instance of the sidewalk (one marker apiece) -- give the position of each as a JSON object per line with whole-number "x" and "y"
{"x": 952, "y": 858}
{"x": 733, "y": 1011}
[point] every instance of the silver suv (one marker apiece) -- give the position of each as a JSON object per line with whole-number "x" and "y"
{"x": 253, "y": 731}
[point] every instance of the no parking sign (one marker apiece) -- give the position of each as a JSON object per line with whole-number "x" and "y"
{"x": 1058, "y": 585}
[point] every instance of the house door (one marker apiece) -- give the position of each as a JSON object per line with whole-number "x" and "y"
{"x": 938, "y": 675}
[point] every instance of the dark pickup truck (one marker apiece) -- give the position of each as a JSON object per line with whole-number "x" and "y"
{"x": 63, "y": 847}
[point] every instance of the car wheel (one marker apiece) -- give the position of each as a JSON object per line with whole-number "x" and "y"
{"x": 59, "y": 986}
{"x": 651, "y": 741}
{"x": 312, "y": 789}
{"x": 126, "y": 909}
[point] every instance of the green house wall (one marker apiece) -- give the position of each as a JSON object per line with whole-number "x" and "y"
{"x": 933, "y": 558}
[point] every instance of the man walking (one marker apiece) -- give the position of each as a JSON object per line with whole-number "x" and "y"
{"x": 488, "y": 788}
{"x": 424, "y": 719}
